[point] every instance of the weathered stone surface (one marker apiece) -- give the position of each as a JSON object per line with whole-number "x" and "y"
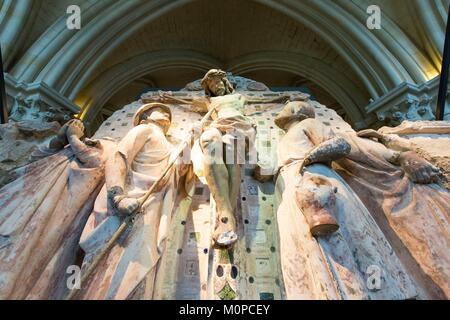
{"x": 278, "y": 254}
{"x": 42, "y": 214}
{"x": 328, "y": 238}
{"x": 397, "y": 188}
{"x": 430, "y": 139}
{"x": 18, "y": 140}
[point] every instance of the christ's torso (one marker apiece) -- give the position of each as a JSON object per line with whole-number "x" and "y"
{"x": 228, "y": 106}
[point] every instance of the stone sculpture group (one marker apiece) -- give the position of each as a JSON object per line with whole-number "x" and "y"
{"x": 346, "y": 202}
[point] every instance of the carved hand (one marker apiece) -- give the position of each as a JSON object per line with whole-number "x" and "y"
{"x": 62, "y": 136}
{"x": 122, "y": 203}
{"x": 127, "y": 206}
{"x": 418, "y": 169}
{"x": 115, "y": 194}
{"x": 75, "y": 127}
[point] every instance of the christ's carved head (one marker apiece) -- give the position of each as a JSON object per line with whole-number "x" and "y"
{"x": 215, "y": 83}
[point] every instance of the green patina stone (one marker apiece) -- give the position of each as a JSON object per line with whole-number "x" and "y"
{"x": 227, "y": 293}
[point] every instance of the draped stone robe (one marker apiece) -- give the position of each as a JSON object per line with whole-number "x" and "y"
{"x": 337, "y": 266}
{"x": 414, "y": 217}
{"x": 128, "y": 271}
{"x": 42, "y": 214}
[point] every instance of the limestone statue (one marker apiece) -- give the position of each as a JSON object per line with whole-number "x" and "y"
{"x": 226, "y": 143}
{"x": 43, "y": 211}
{"x": 399, "y": 189}
{"x": 330, "y": 246}
{"x": 128, "y": 271}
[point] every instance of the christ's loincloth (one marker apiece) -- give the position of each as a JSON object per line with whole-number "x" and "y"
{"x": 238, "y": 135}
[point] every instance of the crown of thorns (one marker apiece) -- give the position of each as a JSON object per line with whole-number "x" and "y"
{"x": 213, "y": 73}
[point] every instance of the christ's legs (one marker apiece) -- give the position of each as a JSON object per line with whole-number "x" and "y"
{"x": 234, "y": 182}
{"x": 217, "y": 177}
{"x": 234, "y": 170}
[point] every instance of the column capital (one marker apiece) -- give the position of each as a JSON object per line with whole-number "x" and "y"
{"x": 407, "y": 101}
{"x": 37, "y": 101}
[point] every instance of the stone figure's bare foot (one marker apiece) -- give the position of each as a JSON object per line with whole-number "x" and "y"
{"x": 225, "y": 234}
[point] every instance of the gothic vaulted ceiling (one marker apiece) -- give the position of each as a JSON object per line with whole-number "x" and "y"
{"x": 125, "y": 47}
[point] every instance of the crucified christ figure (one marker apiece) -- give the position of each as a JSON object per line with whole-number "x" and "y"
{"x": 225, "y": 143}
